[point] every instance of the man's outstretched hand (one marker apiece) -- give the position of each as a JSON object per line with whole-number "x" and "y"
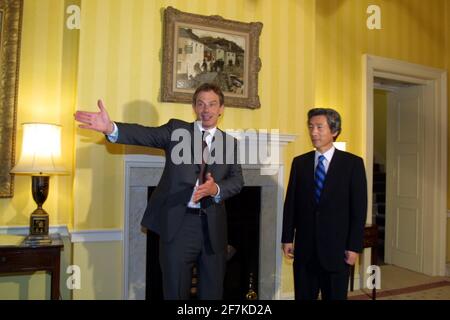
{"x": 98, "y": 121}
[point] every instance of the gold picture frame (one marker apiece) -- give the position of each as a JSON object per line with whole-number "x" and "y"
{"x": 198, "y": 49}
{"x": 10, "y": 32}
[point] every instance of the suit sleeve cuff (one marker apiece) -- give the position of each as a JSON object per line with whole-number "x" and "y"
{"x": 114, "y": 135}
{"x": 217, "y": 197}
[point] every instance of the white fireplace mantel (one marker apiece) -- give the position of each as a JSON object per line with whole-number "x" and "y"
{"x": 142, "y": 171}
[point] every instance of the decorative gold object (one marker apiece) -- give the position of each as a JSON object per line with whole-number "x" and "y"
{"x": 10, "y": 31}
{"x": 251, "y": 293}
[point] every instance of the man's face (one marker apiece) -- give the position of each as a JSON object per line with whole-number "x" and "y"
{"x": 320, "y": 133}
{"x": 208, "y": 108}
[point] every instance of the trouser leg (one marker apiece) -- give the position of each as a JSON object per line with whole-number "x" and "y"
{"x": 211, "y": 270}
{"x": 178, "y": 257}
{"x": 306, "y": 282}
{"x": 334, "y": 285}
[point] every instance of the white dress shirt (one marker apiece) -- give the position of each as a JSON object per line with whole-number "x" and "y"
{"x": 208, "y": 140}
{"x": 328, "y": 156}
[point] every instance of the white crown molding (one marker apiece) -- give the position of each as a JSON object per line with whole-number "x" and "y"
{"x": 75, "y": 236}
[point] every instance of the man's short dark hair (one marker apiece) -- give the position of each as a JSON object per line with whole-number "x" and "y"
{"x": 205, "y": 87}
{"x": 333, "y": 118}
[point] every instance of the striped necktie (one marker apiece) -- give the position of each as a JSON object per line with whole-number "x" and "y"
{"x": 319, "y": 178}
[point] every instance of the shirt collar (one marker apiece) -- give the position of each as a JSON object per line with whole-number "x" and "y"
{"x": 212, "y": 131}
{"x": 327, "y": 154}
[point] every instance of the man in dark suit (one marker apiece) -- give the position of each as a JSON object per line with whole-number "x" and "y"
{"x": 187, "y": 207}
{"x": 325, "y": 211}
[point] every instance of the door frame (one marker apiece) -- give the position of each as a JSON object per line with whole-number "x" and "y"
{"x": 435, "y": 126}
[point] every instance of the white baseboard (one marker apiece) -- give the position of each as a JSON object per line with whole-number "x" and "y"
{"x": 75, "y": 235}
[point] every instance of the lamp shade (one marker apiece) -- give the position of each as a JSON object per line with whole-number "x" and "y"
{"x": 41, "y": 150}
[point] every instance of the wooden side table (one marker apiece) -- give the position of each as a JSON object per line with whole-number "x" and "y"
{"x": 370, "y": 241}
{"x": 29, "y": 258}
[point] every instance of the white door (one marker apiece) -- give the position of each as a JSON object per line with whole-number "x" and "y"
{"x": 404, "y": 176}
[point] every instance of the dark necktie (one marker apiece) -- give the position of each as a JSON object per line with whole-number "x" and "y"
{"x": 319, "y": 178}
{"x": 205, "y": 152}
{"x": 201, "y": 180}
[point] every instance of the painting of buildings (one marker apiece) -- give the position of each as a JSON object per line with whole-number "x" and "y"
{"x": 207, "y": 56}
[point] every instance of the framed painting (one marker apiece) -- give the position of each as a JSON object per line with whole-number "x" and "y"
{"x": 199, "y": 49}
{"x": 10, "y": 31}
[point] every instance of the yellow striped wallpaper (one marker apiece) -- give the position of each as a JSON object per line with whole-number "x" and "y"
{"x": 47, "y": 90}
{"x": 311, "y": 55}
{"x": 120, "y": 62}
{"x": 412, "y": 30}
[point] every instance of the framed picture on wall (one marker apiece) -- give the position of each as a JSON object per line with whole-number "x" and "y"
{"x": 199, "y": 49}
{"x": 10, "y": 30}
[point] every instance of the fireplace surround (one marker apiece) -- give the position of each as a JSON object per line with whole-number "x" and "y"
{"x": 143, "y": 171}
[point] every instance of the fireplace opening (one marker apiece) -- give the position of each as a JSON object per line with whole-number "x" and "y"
{"x": 243, "y": 215}
{"x": 243, "y": 212}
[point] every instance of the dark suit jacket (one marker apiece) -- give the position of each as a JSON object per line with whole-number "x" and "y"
{"x": 167, "y": 206}
{"x": 337, "y": 222}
